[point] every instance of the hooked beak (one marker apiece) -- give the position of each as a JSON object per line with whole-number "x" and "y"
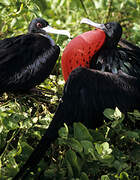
{"x": 96, "y": 25}
{"x": 49, "y": 29}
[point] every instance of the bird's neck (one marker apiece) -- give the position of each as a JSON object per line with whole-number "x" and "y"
{"x": 111, "y": 43}
{"x": 48, "y": 37}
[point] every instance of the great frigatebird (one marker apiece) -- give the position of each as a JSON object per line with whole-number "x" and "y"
{"x": 28, "y": 59}
{"x": 108, "y": 76}
{"x": 98, "y": 50}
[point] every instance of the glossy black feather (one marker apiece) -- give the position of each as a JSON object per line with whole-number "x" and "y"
{"x": 133, "y": 53}
{"x": 115, "y": 59}
{"x": 129, "y": 46}
{"x": 112, "y": 58}
{"x": 90, "y": 92}
{"x": 26, "y": 61}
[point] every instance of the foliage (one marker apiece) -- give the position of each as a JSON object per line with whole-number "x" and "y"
{"x": 110, "y": 152}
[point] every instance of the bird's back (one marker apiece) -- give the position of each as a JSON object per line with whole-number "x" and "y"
{"x": 26, "y": 61}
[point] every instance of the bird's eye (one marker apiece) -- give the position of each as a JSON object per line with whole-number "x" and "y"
{"x": 108, "y": 26}
{"x": 39, "y": 25}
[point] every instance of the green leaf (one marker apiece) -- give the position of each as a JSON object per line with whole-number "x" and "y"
{"x": 81, "y": 132}
{"x": 105, "y": 177}
{"x": 104, "y": 152}
{"x": 107, "y": 159}
{"x": 119, "y": 165}
{"x": 50, "y": 173}
{"x": 132, "y": 134}
{"x": 1, "y": 127}
{"x": 135, "y": 153}
{"x": 98, "y": 148}
{"x": 75, "y": 145}
{"x": 117, "y": 113}
{"x": 21, "y": 7}
{"x": 105, "y": 147}
{"x": 19, "y": 149}
{"x": 99, "y": 4}
{"x": 113, "y": 114}
{"x": 124, "y": 176}
{"x": 5, "y": 28}
{"x": 71, "y": 157}
{"x": 26, "y": 151}
{"x": 88, "y": 148}
{"x": 97, "y": 135}
{"x": 84, "y": 176}
{"x": 135, "y": 114}
{"x": 70, "y": 170}
{"x": 6, "y": 2}
{"x": 63, "y": 132}
{"x": 10, "y": 123}
{"x": 109, "y": 113}
{"x": 13, "y": 22}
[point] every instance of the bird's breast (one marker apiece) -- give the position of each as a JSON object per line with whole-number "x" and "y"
{"x": 80, "y": 51}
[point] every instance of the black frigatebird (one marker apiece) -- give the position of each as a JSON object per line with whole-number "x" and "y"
{"x": 98, "y": 75}
{"x": 28, "y": 59}
{"x": 98, "y": 49}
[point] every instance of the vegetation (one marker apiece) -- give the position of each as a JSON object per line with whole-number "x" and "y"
{"x": 108, "y": 153}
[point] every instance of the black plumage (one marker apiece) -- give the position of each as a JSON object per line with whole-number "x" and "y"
{"x": 28, "y": 59}
{"x": 113, "y": 80}
{"x": 88, "y": 92}
{"x": 111, "y": 57}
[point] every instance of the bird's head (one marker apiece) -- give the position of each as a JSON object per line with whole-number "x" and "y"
{"x": 41, "y": 26}
{"x": 113, "y": 31}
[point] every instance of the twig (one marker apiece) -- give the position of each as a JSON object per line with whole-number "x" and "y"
{"x": 93, "y": 2}
{"x": 82, "y": 3}
{"x": 109, "y": 9}
{"x": 8, "y": 143}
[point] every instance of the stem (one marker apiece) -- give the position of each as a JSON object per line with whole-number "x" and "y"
{"x": 82, "y": 3}
{"x": 93, "y": 3}
{"x": 109, "y": 9}
{"x": 8, "y": 143}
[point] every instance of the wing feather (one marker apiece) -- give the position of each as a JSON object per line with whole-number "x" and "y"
{"x": 88, "y": 92}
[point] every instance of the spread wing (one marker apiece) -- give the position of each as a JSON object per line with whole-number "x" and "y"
{"x": 26, "y": 61}
{"x": 88, "y": 92}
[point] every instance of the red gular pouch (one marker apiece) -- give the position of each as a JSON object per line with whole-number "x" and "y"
{"x": 80, "y": 51}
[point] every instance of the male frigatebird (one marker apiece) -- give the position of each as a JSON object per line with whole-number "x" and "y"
{"x": 28, "y": 59}
{"x": 108, "y": 76}
{"x": 98, "y": 50}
